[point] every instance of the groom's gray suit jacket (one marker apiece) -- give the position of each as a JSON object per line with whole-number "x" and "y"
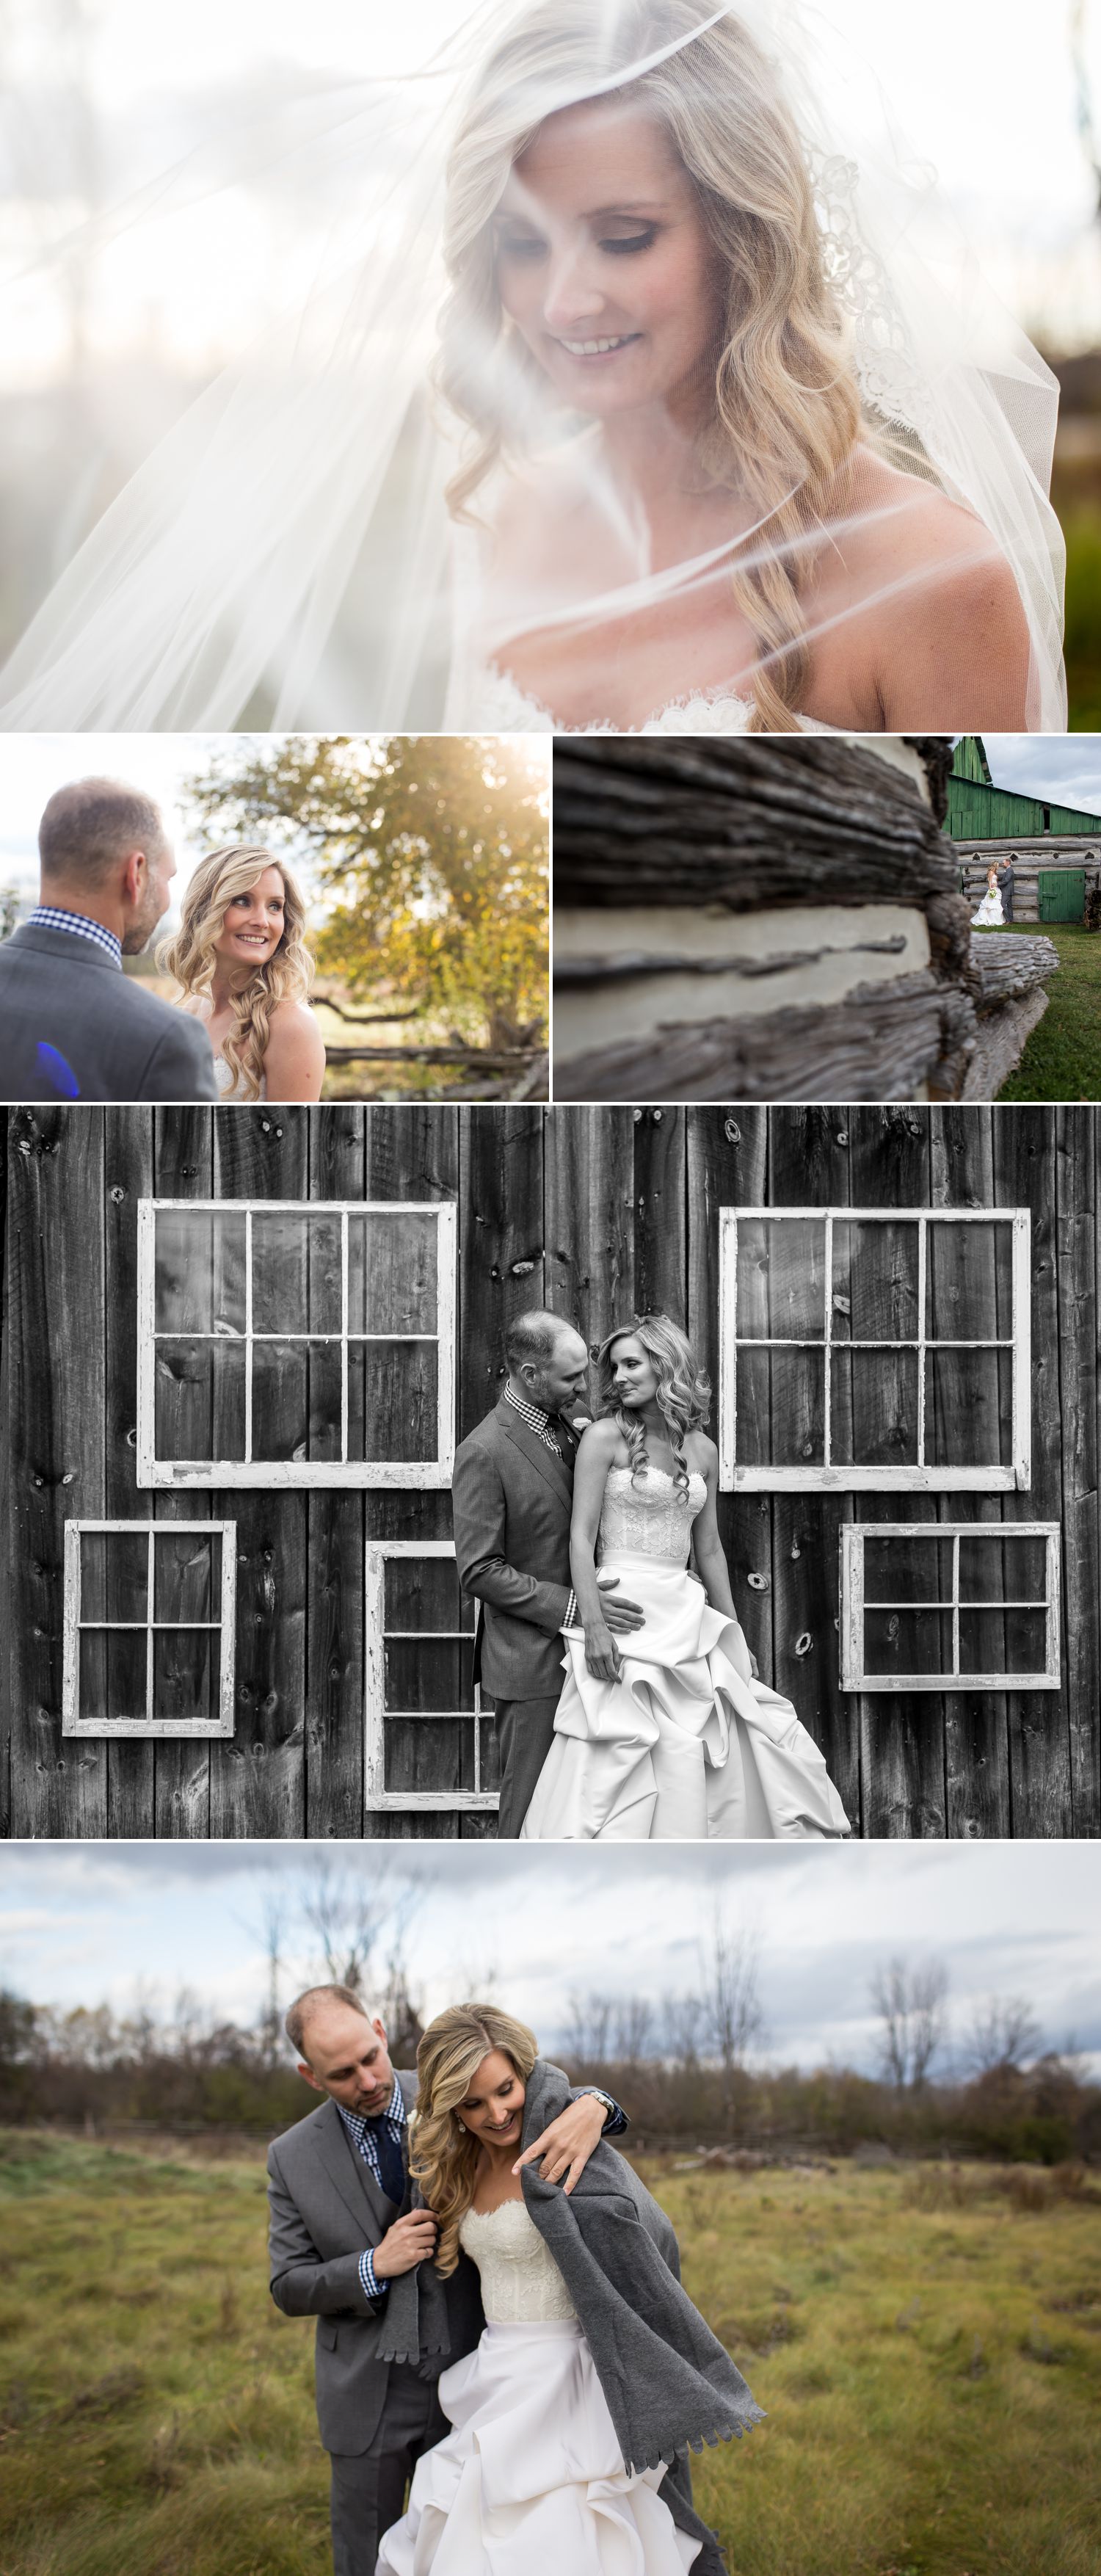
{"x": 121, "y": 1043}
{"x": 325, "y": 2209}
{"x": 512, "y": 1500}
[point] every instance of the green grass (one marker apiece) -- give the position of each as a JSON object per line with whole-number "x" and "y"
{"x": 1062, "y": 1060}
{"x": 928, "y": 2350}
{"x": 1081, "y": 517}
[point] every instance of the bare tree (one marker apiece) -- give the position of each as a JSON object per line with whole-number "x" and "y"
{"x": 733, "y": 2021}
{"x": 588, "y": 2031}
{"x": 1003, "y": 2032}
{"x": 681, "y": 2029}
{"x": 634, "y": 2031}
{"x": 912, "y": 2007}
{"x": 348, "y": 1904}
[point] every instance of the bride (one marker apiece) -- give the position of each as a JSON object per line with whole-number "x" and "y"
{"x": 647, "y": 402}
{"x": 671, "y": 1736}
{"x": 990, "y": 915}
{"x": 572, "y": 2415}
{"x": 241, "y": 961}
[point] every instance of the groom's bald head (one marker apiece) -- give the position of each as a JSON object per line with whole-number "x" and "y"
{"x": 341, "y": 2047}
{"x": 547, "y": 1361}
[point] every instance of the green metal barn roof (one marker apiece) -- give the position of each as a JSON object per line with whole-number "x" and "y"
{"x": 979, "y": 811}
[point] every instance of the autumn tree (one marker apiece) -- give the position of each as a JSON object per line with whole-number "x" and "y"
{"x": 428, "y": 857}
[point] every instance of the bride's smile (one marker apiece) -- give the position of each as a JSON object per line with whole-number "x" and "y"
{"x": 603, "y": 263}
{"x": 254, "y": 922}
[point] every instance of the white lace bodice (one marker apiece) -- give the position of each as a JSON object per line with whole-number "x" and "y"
{"x": 649, "y": 1517}
{"x": 521, "y": 2282}
{"x": 228, "y": 1085}
{"x": 497, "y": 705}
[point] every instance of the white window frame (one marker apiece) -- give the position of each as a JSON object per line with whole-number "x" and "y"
{"x": 72, "y": 1723}
{"x": 853, "y": 1675}
{"x": 268, "y": 1473}
{"x": 378, "y": 1800}
{"x": 918, "y": 1477}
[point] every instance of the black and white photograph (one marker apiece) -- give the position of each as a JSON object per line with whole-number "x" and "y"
{"x": 559, "y": 1474}
{"x": 550, "y": 1288}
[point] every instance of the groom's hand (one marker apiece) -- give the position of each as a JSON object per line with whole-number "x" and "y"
{"x": 620, "y": 1616}
{"x": 565, "y": 2148}
{"x": 411, "y": 2240}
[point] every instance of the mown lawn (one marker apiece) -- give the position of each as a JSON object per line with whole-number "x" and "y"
{"x": 1062, "y": 1060}
{"x": 929, "y": 2352}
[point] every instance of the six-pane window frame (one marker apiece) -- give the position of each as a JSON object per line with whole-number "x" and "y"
{"x": 271, "y": 1473}
{"x": 150, "y": 1728}
{"x": 918, "y": 1476}
{"x": 854, "y": 1678}
{"x": 378, "y": 1800}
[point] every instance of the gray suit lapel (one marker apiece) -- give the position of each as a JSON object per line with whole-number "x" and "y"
{"x": 351, "y": 2174}
{"x": 551, "y": 1464}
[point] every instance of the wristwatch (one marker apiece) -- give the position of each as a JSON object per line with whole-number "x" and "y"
{"x": 599, "y": 2095}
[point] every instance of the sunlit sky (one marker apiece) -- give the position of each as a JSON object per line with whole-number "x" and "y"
{"x": 984, "y": 95}
{"x": 32, "y": 765}
{"x": 79, "y": 1923}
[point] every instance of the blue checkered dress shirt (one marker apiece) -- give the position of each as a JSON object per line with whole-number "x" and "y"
{"x": 49, "y": 916}
{"x": 361, "y": 2131}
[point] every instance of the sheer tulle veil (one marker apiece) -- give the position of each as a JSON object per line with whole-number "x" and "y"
{"x": 287, "y": 556}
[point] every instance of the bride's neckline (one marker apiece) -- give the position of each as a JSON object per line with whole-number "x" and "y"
{"x": 667, "y": 1478}
{"x": 721, "y": 695}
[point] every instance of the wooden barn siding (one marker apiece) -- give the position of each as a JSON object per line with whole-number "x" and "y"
{"x": 596, "y": 1212}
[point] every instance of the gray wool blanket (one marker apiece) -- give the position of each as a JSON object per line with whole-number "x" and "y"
{"x": 670, "y": 2385}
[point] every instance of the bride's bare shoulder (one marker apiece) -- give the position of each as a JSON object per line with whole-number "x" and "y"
{"x": 601, "y": 1439}
{"x": 940, "y": 611}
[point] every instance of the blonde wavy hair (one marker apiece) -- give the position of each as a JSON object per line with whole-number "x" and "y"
{"x": 190, "y": 954}
{"x": 683, "y": 1391}
{"x": 785, "y": 412}
{"x": 443, "y": 2156}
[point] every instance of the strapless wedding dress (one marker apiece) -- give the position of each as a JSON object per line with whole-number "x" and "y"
{"x": 494, "y": 704}
{"x": 686, "y": 1745}
{"x": 530, "y": 2477}
{"x": 989, "y": 915}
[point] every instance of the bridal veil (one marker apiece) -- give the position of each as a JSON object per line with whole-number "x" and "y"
{"x": 284, "y": 557}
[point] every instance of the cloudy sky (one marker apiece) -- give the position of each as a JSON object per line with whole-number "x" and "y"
{"x": 1064, "y": 767}
{"x": 78, "y": 1924}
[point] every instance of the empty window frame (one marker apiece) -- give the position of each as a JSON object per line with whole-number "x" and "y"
{"x": 950, "y": 1605}
{"x": 871, "y": 1348}
{"x": 149, "y": 1628}
{"x": 289, "y": 1344}
{"x": 428, "y": 1743}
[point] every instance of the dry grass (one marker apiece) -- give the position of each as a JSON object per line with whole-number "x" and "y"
{"x": 927, "y": 2343}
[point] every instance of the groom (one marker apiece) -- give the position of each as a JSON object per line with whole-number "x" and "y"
{"x": 512, "y": 1493}
{"x": 342, "y": 2229}
{"x": 72, "y": 1025}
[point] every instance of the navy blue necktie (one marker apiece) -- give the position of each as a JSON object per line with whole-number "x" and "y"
{"x": 391, "y": 2162}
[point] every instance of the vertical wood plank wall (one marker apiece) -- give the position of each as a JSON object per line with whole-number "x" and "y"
{"x": 594, "y": 1212}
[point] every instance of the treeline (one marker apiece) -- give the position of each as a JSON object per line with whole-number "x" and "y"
{"x": 95, "y": 2071}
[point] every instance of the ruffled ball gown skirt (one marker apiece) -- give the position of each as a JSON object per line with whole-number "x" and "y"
{"x": 687, "y": 1744}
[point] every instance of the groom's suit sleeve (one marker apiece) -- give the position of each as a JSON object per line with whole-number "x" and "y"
{"x": 301, "y": 2283}
{"x": 480, "y": 1521}
{"x": 181, "y": 1064}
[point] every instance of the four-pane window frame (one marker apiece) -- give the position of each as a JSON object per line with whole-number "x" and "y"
{"x": 856, "y": 1679}
{"x": 224, "y": 1627}
{"x": 266, "y": 1473}
{"x": 378, "y": 1800}
{"x": 917, "y": 1476}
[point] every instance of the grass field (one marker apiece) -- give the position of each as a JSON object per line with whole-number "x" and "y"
{"x": 1062, "y": 1060}
{"x": 928, "y": 2349}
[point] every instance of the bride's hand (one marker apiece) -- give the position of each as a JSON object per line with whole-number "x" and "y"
{"x": 602, "y": 1655}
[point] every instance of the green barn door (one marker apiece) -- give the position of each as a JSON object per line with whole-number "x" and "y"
{"x": 1062, "y": 894}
